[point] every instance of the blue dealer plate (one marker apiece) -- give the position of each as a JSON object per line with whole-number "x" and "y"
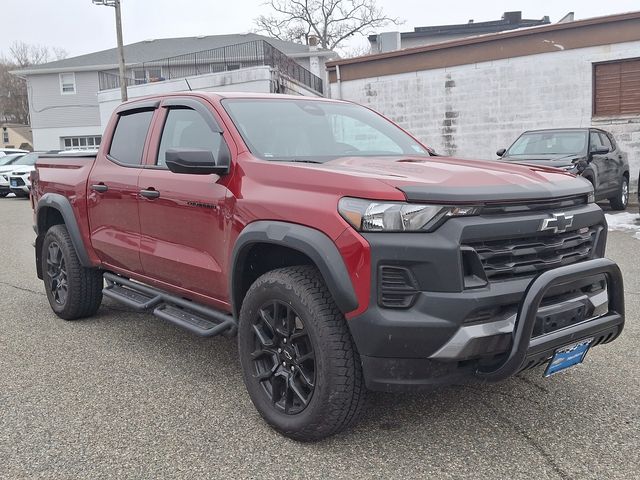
{"x": 568, "y": 356}
{"x": 14, "y": 183}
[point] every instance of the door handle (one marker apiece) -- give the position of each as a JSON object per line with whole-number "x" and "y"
{"x": 99, "y": 187}
{"x": 150, "y": 193}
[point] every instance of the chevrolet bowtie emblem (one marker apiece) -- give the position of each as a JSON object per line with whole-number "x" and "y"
{"x": 558, "y": 224}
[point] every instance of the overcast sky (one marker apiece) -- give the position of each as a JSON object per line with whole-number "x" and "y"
{"x": 80, "y": 27}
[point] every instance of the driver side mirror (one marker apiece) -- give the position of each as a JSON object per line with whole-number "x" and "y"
{"x": 195, "y": 161}
{"x": 501, "y": 152}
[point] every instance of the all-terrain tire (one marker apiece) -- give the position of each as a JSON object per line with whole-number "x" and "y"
{"x": 83, "y": 293}
{"x": 621, "y": 200}
{"x": 339, "y": 393}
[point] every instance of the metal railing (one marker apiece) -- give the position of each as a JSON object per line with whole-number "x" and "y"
{"x": 223, "y": 59}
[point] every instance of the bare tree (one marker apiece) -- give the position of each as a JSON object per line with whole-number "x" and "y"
{"x": 332, "y": 21}
{"x": 14, "y": 103}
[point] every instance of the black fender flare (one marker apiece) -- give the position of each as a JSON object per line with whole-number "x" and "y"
{"x": 309, "y": 241}
{"x": 61, "y": 204}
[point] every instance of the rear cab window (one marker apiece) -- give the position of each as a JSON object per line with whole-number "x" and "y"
{"x": 127, "y": 144}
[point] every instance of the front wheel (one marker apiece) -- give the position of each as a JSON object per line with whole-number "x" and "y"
{"x": 73, "y": 291}
{"x": 621, "y": 200}
{"x": 299, "y": 362}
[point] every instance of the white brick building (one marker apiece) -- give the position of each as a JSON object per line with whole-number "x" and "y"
{"x": 472, "y": 96}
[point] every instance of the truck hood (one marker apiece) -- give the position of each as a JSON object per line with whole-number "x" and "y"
{"x": 21, "y": 169}
{"x": 451, "y": 180}
{"x": 545, "y": 160}
{"x": 8, "y": 168}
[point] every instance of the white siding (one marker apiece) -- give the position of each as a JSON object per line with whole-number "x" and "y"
{"x": 49, "y": 138}
{"x": 472, "y": 110}
{"x": 50, "y": 109}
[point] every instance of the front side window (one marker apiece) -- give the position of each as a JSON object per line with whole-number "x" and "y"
{"x": 595, "y": 142}
{"x": 604, "y": 139}
{"x": 128, "y": 140}
{"x": 185, "y": 128}
{"x": 67, "y": 83}
{"x": 287, "y": 130}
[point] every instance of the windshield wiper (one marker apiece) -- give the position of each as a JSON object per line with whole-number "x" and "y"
{"x": 299, "y": 160}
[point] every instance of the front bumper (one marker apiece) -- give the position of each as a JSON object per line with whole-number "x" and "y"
{"x": 455, "y": 331}
{"x": 19, "y": 185}
{"x": 508, "y": 353}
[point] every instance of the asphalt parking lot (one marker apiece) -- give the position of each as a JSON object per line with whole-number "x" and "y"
{"x": 124, "y": 395}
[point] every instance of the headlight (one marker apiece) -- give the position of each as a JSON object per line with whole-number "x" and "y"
{"x": 570, "y": 168}
{"x": 371, "y": 216}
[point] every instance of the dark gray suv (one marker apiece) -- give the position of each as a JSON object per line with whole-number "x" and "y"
{"x": 590, "y": 152}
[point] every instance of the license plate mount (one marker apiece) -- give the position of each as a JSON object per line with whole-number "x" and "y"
{"x": 568, "y": 356}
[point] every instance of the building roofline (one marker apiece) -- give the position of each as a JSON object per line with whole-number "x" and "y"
{"x": 489, "y": 26}
{"x": 96, "y": 68}
{"x": 86, "y": 68}
{"x": 490, "y": 37}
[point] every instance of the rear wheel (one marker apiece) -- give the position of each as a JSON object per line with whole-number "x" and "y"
{"x": 299, "y": 363}
{"x": 73, "y": 291}
{"x": 621, "y": 200}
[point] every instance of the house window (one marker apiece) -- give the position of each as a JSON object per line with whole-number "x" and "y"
{"x": 615, "y": 88}
{"x": 5, "y": 136}
{"x": 80, "y": 143}
{"x": 67, "y": 83}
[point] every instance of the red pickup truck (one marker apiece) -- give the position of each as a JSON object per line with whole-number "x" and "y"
{"x": 339, "y": 250}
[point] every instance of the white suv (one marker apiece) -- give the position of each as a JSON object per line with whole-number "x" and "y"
{"x": 19, "y": 181}
{"x": 21, "y": 167}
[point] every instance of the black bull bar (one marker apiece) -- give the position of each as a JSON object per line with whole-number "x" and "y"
{"x": 523, "y": 346}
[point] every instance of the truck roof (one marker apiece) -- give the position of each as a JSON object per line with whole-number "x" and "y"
{"x": 223, "y": 95}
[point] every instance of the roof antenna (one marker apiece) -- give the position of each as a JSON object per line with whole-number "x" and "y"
{"x": 188, "y": 85}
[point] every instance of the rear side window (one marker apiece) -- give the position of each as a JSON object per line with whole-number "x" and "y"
{"x": 128, "y": 139}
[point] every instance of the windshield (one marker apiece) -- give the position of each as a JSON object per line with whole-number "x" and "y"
{"x": 307, "y": 130}
{"x": 28, "y": 159}
{"x": 549, "y": 143}
{"x": 9, "y": 159}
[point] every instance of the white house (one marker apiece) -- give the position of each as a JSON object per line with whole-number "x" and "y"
{"x": 471, "y": 96}
{"x": 70, "y": 99}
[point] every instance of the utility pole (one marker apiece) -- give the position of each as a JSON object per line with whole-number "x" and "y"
{"x": 123, "y": 77}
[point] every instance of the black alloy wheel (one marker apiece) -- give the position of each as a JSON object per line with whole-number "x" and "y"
{"x": 73, "y": 291}
{"x": 299, "y": 362}
{"x": 283, "y": 359}
{"x": 57, "y": 274}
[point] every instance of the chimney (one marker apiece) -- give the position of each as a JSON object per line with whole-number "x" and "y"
{"x": 313, "y": 42}
{"x": 388, "y": 42}
{"x": 569, "y": 17}
{"x": 512, "y": 17}
{"x": 471, "y": 20}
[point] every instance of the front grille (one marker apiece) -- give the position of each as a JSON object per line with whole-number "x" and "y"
{"x": 535, "y": 205}
{"x": 524, "y": 256}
